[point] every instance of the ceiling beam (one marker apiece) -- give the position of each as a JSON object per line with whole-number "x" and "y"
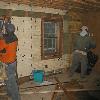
{"x": 60, "y": 4}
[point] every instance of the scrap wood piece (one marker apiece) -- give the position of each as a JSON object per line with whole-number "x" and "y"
{"x": 69, "y": 94}
{"x": 55, "y": 93}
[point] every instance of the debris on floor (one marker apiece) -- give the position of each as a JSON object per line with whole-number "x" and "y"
{"x": 46, "y": 89}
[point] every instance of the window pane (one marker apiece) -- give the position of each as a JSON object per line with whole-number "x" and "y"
{"x": 49, "y": 43}
{"x": 49, "y": 27}
{"x": 45, "y": 43}
{"x": 49, "y": 46}
{"x": 51, "y": 37}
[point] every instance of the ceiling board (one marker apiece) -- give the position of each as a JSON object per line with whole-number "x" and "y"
{"x": 60, "y": 4}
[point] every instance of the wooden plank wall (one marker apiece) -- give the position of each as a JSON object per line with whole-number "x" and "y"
{"x": 92, "y": 20}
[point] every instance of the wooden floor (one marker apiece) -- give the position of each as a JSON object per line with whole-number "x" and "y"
{"x": 31, "y": 90}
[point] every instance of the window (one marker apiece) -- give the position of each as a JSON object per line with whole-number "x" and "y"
{"x": 51, "y": 38}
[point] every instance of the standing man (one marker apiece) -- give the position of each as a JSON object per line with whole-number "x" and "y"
{"x": 83, "y": 43}
{"x": 9, "y": 58}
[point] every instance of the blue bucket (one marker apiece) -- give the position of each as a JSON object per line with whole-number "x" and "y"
{"x": 38, "y": 76}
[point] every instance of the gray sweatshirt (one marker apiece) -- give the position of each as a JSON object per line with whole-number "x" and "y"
{"x": 84, "y": 43}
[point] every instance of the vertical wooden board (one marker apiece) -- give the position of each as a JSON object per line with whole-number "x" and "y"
{"x": 66, "y": 60}
{"x": 36, "y": 47}
{"x": 24, "y": 52}
{"x": 36, "y": 42}
{"x": 65, "y": 25}
{"x": 15, "y": 21}
{"x": 27, "y": 24}
{"x": 37, "y": 26}
{"x": 24, "y": 68}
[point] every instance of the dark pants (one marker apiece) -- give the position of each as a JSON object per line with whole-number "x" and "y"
{"x": 76, "y": 61}
{"x": 12, "y": 87}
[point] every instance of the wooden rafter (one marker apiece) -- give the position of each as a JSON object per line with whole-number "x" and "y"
{"x": 59, "y": 4}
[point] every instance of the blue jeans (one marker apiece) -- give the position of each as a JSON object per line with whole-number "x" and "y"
{"x": 12, "y": 87}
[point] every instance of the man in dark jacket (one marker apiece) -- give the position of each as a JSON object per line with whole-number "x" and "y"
{"x": 83, "y": 43}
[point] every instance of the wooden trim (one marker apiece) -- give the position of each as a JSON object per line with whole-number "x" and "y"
{"x": 42, "y": 53}
{"x": 60, "y": 41}
{"x": 21, "y": 13}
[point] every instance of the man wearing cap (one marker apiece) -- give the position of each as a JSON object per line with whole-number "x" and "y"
{"x": 82, "y": 44}
{"x": 9, "y": 58}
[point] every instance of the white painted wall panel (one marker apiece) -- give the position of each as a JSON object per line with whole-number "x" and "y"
{"x": 24, "y": 55}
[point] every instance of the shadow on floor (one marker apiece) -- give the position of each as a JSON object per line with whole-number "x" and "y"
{"x": 81, "y": 96}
